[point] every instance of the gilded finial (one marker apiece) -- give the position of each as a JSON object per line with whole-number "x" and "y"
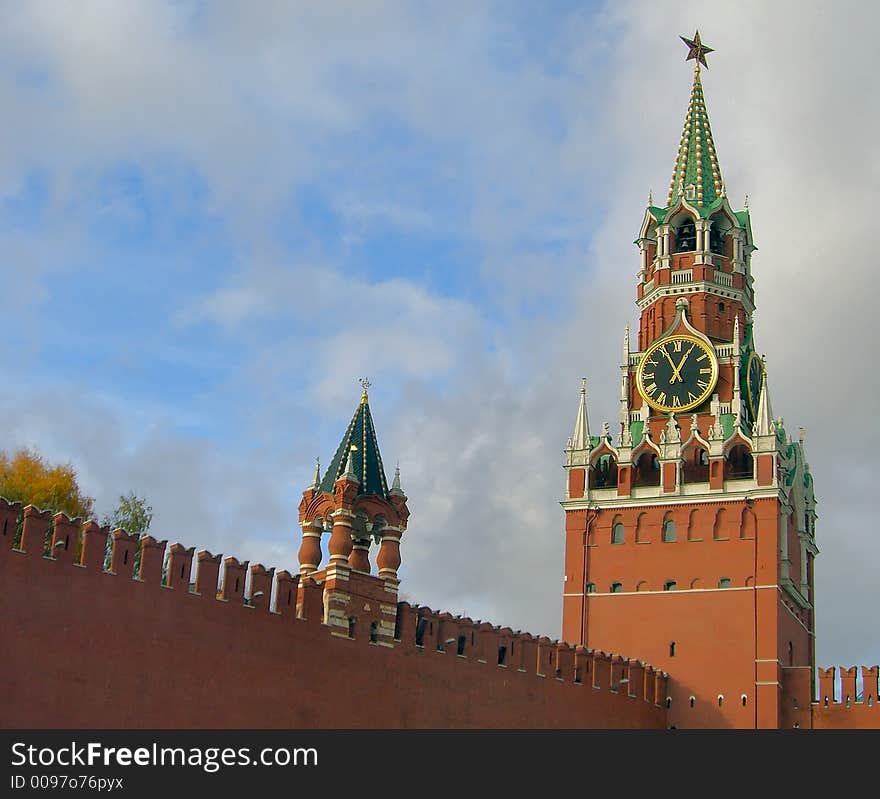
{"x": 650, "y": 197}
{"x": 583, "y": 385}
{"x": 365, "y": 384}
{"x": 746, "y": 204}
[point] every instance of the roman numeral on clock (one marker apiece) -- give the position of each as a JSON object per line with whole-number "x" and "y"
{"x": 702, "y": 385}
{"x": 676, "y": 402}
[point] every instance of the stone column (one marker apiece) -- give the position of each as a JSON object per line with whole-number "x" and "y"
{"x": 359, "y": 560}
{"x": 310, "y": 549}
{"x": 389, "y": 553}
{"x": 340, "y": 540}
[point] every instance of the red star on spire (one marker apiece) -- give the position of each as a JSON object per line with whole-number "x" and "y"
{"x": 697, "y": 49}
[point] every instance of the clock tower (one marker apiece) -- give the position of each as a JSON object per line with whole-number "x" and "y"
{"x": 690, "y": 535}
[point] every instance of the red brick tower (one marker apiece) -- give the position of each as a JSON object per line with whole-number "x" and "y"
{"x": 354, "y": 504}
{"x": 690, "y": 536}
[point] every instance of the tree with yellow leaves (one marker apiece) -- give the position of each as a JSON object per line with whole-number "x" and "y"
{"x": 27, "y": 478}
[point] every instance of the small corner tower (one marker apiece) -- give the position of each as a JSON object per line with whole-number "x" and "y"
{"x": 352, "y": 502}
{"x": 690, "y": 539}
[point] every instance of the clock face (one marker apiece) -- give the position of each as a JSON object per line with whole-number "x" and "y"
{"x": 754, "y": 380}
{"x": 677, "y": 373}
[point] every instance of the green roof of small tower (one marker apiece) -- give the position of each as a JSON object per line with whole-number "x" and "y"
{"x": 696, "y": 163}
{"x": 366, "y": 463}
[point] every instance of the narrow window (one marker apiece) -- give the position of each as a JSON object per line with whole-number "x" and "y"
{"x": 374, "y": 632}
{"x": 672, "y": 649}
{"x": 461, "y": 642}
{"x": 511, "y": 647}
{"x": 288, "y": 597}
{"x": 616, "y": 588}
{"x": 668, "y": 531}
{"x": 577, "y": 675}
{"x": 720, "y": 700}
{"x": 420, "y": 632}
{"x": 125, "y": 557}
{"x": 5, "y": 523}
{"x": 66, "y": 541}
{"x": 692, "y": 701}
{"x": 668, "y": 702}
{"x": 182, "y": 567}
{"x": 790, "y": 654}
{"x": 669, "y": 585}
{"x": 724, "y": 582}
{"x": 472, "y": 639}
{"x": 351, "y": 625}
{"x": 617, "y": 533}
{"x": 502, "y": 655}
{"x": 591, "y": 588}
{"x": 235, "y": 590}
{"x": 720, "y": 307}
{"x": 744, "y": 698}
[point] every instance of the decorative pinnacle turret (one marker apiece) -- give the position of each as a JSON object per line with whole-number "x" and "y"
{"x": 349, "y": 473}
{"x": 696, "y": 176}
{"x": 581, "y": 438}
{"x": 316, "y": 482}
{"x": 395, "y": 485}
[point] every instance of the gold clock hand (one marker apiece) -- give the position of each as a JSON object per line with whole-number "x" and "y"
{"x": 666, "y": 354}
{"x": 677, "y": 372}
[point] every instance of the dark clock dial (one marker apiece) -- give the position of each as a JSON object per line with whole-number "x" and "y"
{"x": 677, "y": 373}
{"x": 754, "y": 381}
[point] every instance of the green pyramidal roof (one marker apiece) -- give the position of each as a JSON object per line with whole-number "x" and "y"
{"x": 697, "y": 162}
{"x": 366, "y": 462}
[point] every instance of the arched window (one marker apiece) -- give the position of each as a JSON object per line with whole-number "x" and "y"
{"x": 352, "y": 622}
{"x": 461, "y": 644}
{"x": 374, "y": 632}
{"x": 738, "y": 465}
{"x": 668, "y": 702}
{"x": 696, "y": 466}
{"x": 686, "y": 237}
{"x": 720, "y": 307}
{"x": 668, "y": 531}
{"x": 716, "y": 241}
{"x": 744, "y": 700}
{"x": 603, "y": 474}
{"x": 616, "y": 588}
{"x": 790, "y": 654}
{"x": 720, "y": 700}
{"x": 692, "y": 701}
{"x": 617, "y": 533}
{"x": 647, "y": 470}
{"x": 672, "y": 649}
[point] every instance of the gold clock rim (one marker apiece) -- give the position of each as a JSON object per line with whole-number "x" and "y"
{"x": 707, "y": 347}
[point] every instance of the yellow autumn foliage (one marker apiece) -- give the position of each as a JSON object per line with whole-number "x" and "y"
{"x": 27, "y": 478}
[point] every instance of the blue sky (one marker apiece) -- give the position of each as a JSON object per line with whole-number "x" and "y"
{"x": 215, "y": 217}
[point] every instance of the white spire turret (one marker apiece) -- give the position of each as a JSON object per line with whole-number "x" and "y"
{"x": 764, "y": 423}
{"x": 316, "y": 481}
{"x": 581, "y": 438}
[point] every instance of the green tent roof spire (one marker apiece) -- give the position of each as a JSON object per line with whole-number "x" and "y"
{"x": 358, "y": 454}
{"x": 696, "y": 176}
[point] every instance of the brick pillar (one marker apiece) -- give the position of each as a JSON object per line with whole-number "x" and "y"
{"x": 826, "y": 686}
{"x": 340, "y": 540}
{"x": 310, "y": 549}
{"x": 359, "y": 559}
{"x": 65, "y": 538}
{"x": 848, "y": 684}
{"x": 34, "y": 529}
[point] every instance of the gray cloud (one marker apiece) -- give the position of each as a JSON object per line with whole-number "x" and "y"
{"x": 476, "y": 401}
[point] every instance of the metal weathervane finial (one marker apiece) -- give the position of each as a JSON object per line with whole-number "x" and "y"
{"x": 365, "y": 384}
{"x": 697, "y": 50}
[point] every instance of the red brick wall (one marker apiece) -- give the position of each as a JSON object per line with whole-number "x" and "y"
{"x": 85, "y": 648}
